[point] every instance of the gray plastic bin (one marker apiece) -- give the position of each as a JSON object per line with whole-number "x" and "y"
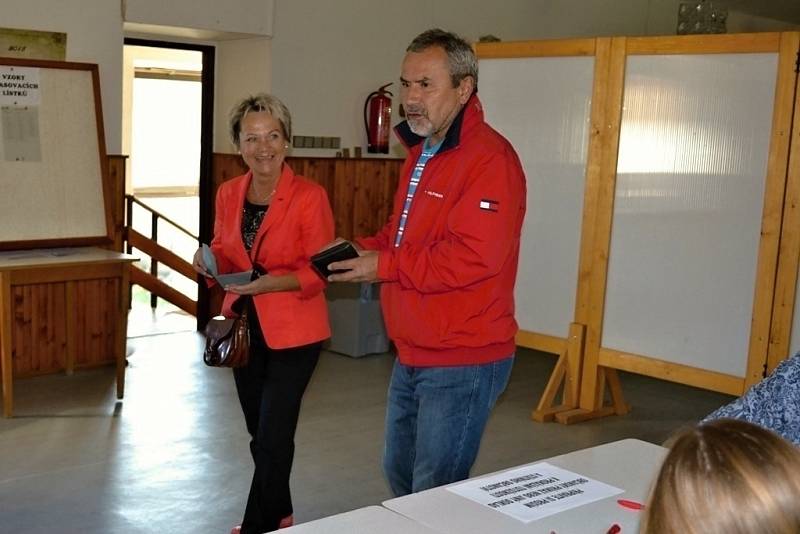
{"x": 356, "y": 319}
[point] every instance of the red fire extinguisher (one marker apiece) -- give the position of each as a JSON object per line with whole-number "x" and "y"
{"x": 378, "y": 120}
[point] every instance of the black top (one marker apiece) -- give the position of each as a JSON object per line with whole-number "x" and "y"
{"x": 252, "y": 215}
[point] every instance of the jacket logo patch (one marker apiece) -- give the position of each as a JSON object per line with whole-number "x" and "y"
{"x": 433, "y": 193}
{"x": 489, "y": 204}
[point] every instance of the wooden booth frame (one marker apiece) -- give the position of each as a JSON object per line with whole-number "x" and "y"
{"x": 784, "y": 299}
{"x": 566, "y": 376}
{"x": 66, "y": 308}
{"x": 585, "y": 368}
{"x": 104, "y": 187}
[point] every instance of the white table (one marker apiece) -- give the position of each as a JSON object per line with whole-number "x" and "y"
{"x": 369, "y": 520}
{"x": 629, "y": 464}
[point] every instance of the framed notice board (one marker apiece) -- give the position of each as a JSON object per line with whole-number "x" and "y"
{"x": 53, "y": 188}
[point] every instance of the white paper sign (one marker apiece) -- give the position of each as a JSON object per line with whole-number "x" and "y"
{"x": 19, "y": 131}
{"x": 19, "y": 86}
{"x": 533, "y": 492}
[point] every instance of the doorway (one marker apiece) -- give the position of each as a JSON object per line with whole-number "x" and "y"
{"x": 167, "y": 133}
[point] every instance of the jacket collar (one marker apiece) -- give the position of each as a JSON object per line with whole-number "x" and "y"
{"x": 470, "y": 114}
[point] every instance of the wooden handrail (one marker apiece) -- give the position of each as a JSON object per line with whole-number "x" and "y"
{"x": 135, "y": 200}
{"x": 161, "y": 254}
{"x": 157, "y": 287}
{"x": 158, "y": 254}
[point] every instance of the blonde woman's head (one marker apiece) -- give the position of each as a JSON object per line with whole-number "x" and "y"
{"x": 257, "y": 103}
{"x": 726, "y": 477}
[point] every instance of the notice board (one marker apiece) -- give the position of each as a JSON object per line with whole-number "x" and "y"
{"x": 52, "y": 155}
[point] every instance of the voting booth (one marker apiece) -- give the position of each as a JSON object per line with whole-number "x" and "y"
{"x": 63, "y": 289}
{"x": 662, "y": 229}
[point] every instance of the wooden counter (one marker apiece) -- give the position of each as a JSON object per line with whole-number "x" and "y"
{"x": 62, "y": 309}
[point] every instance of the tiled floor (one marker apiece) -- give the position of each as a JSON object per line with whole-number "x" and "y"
{"x": 173, "y": 455}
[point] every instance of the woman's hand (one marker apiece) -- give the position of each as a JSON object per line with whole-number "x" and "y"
{"x": 266, "y": 284}
{"x": 198, "y": 264}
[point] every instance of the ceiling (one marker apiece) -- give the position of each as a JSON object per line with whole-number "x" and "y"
{"x": 133, "y": 29}
{"x": 784, "y": 10}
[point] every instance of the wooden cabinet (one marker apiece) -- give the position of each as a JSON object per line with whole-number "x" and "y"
{"x": 62, "y": 309}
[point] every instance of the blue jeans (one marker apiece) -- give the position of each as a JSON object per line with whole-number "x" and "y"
{"x": 435, "y": 418}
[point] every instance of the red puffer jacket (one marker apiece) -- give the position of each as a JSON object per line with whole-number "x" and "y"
{"x": 448, "y": 289}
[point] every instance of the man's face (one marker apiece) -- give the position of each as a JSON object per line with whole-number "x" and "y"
{"x": 429, "y": 98}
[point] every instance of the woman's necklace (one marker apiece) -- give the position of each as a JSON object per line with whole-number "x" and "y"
{"x": 259, "y": 198}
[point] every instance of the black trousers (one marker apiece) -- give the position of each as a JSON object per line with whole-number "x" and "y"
{"x": 270, "y": 390}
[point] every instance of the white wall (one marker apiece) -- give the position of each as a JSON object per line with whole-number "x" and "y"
{"x": 240, "y": 16}
{"x": 243, "y": 68}
{"x": 328, "y": 56}
{"x": 94, "y": 35}
{"x": 325, "y": 57}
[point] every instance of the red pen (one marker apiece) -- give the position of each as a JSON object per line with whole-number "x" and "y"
{"x": 615, "y": 529}
{"x": 633, "y": 505}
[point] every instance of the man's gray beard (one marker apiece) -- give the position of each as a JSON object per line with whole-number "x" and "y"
{"x": 423, "y": 130}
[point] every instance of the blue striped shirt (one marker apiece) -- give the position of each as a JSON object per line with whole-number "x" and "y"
{"x": 427, "y": 153}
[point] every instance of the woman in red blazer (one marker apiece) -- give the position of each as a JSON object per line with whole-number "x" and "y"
{"x": 274, "y": 220}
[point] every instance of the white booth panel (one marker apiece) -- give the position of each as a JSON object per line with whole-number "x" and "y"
{"x": 691, "y": 174}
{"x": 542, "y": 106}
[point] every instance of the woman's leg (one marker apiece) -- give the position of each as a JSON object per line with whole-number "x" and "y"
{"x": 286, "y": 376}
{"x": 250, "y": 381}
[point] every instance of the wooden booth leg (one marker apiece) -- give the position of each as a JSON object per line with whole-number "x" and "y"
{"x": 565, "y": 377}
{"x": 617, "y": 406}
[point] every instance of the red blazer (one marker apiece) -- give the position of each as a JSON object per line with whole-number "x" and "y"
{"x": 297, "y": 224}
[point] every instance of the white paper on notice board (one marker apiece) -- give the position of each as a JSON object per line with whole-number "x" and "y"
{"x": 19, "y": 86}
{"x": 535, "y": 491}
{"x": 19, "y": 132}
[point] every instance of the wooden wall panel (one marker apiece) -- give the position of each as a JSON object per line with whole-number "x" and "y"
{"x": 116, "y": 184}
{"x": 38, "y": 321}
{"x": 360, "y": 189}
{"x": 39, "y": 332}
{"x": 57, "y": 344}
{"x": 223, "y": 168}
{"x": 373, "y": 191}
{"x": 94, "y": 316}
{"x": 343, "y": 200}
{"x": 321, "y": 170}
{"x": 21, "y": 355}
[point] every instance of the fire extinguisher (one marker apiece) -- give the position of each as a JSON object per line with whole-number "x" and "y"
{"x": 378, "y": 120}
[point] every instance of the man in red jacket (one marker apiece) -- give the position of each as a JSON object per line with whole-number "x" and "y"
{"x": 447, "y": 260}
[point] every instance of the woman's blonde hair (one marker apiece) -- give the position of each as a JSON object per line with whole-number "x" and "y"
{"x": 726, "y": 477}
{"x": 260, "y": 102}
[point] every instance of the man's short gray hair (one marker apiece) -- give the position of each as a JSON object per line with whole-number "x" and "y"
{"x": 260, "y": 102}
{"x": 460, "y": 56}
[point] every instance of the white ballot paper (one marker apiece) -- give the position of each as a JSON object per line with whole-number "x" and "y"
{"x": 231, "y": 279}
{"x": 535, "y": 491}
